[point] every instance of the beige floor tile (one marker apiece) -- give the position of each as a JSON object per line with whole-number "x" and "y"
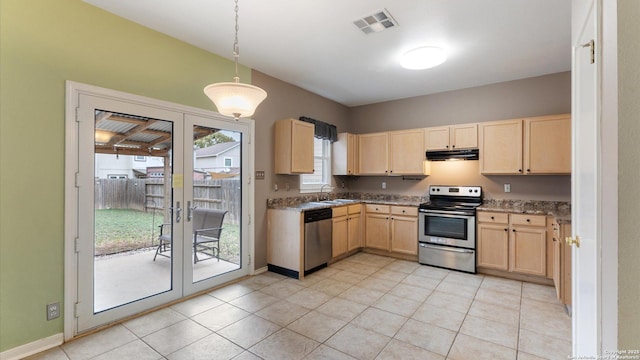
{"x": 401, "y": 350}
{"x": 426, "y": 336}
{"x": 431, "y": 272}
{"x": 359, "y": 268}
{"x": 467, "y": 347}
{"x": 449, "y": 301}
{"x": 146, "y": 324}
{"x": 331, "y": 287}
{"x": 525, "y": 356}
{"x": 544, "y": 346}
{"x": 371, "y": 259}
{"x": 249, "y": 331}
{"x": 457, "y": 289}
{"x": 397, "y": 305}
{"x": 495, "y": 313}
{"x": 309, "y": 298}
{"x": 231, "y": 292}
{"x": 324, "y": 352}
{"x": 389, "y": 275}
{"x": 284, "y": 344}
{"x": 254, "y": 301}
{"x": 491, "y": 331}
{"x": 52, "y": 354}
{"x": 512, "y": 287}
{"x": 378, "y": 284}
{"x": 282, "y": 289}
{"x": 545, "y": 318}
{"x": 282, "y": 312}
{"x": 540, "y": 293}
{"x": 220, "y": 317}
{"x": 403, "y": 266}
{"x": 205, "y": 348}
{"x": 134, "y": 350}
{"x": 342, "y": 309}
{"x": 473, "y": 280}
{"x": 247, "y": 355}
{"x": 176, "y": 336}
{"x": 358, "y": 342}
{"x": 421, "y": 281}
{"x": 328, "y": 271}
{"x": 98, "y": 343}
{"x": 349, "y": 276}
{"x": 361, "y": 295}
{"x": 380, "y": 321}
{"x": 259, "y": 281}
{"x": 509, "y": 301}
{"x": 438, "y": 316}
{"x": 197, "y": 305}
{"x": 410, "y": 292}
{"x": 317, "y": 326}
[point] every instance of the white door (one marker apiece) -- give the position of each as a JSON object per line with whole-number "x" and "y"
{"x": 586, "y": 217}
{"x": 144, "y": 176}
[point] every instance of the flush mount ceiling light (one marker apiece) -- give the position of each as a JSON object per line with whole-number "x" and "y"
{"x": 423, "y": 58}
{"x": 235, "y": 98}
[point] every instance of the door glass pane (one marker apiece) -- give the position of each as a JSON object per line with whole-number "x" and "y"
{"x": 133, "y": 196}
{"x": 216, "y": 202}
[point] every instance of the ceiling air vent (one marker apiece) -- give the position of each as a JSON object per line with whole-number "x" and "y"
{"x": 379, "y": 21}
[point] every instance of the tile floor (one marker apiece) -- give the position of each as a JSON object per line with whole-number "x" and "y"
{"x": 363, "y": 307}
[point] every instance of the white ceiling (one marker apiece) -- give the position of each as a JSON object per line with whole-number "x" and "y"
{"x": 315, "y": 45}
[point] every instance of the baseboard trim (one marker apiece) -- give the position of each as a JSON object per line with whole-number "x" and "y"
{"x": 31, "y": 348}
{"x": 263, "y": 269}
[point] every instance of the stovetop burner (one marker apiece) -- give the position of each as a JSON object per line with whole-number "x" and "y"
{"x": 453, "y": 198}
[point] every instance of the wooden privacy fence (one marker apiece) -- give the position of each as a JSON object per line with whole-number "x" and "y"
{"x": 148, "y": 194}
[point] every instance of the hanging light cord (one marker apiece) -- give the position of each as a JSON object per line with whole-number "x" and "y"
{"x": 236, "y": 48}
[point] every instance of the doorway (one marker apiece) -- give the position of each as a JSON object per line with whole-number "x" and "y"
{"x": 159, "y": 204}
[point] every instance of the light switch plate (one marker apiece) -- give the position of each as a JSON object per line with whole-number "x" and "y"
{"x": 259, "y": 174}
{"x": 507, "y": 188}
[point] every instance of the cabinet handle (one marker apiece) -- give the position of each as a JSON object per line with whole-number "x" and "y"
{"x": 447, "y": 146}
{"x": 528, "y": 170}
{"x": 390, "y": 171}
{"x": 507, "y": 230}
{"x": 519, "y": 170}
{"x": 514, "y": 230}
{"x": 453, "y": 146}
{"x": 493, "y": 218}
{"x": 528, "y": 220}
{"x": 403, "y": 211}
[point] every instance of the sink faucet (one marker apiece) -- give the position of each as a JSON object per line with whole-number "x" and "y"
{"x": 321, "y": 189}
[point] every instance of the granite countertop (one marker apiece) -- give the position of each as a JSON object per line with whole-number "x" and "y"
{"x": 305, "y": 203}
{"x": 561, "y": 210}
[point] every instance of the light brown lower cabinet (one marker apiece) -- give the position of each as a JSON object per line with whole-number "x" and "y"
{"x": 562, "y": 263}
{"x": 392, "y": 228}
{"x": 347, "y": 229}
{"x": 493, "y": 246}
{"x": 354, "y": 227}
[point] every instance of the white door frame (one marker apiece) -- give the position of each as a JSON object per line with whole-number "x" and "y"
{"x": 73, "y": 92}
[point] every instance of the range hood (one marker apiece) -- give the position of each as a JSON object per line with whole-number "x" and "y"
{"x": 467, "y": 154}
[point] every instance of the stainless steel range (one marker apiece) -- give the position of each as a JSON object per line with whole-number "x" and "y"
{"x": 447, "y": 227}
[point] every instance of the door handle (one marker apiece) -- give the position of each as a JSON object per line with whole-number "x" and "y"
{"x": 573, "y": 241}
{"x": 178, "y": 210}
{"x": 190, "y": 211}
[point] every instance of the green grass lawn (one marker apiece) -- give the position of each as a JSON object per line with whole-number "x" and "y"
{"x": 120, "y": 230}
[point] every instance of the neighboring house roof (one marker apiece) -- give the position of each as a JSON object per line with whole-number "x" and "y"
{"x": 217, "y": 149}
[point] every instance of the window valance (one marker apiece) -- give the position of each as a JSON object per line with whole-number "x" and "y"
{"x": 322, "y": 129}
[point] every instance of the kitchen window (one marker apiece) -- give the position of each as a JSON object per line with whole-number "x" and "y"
{"x": 322, "y": 168}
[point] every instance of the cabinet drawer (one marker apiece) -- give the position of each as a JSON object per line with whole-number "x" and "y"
{"x": 339, "y": 211}
{"x": 531, "y": 220}
{"x": 492, "y": 217}
{"x": 404, "y": 210}
{"x": 379, "y": 209}
{"x": 354, "y": 209}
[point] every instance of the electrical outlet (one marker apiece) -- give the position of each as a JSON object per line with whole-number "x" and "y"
{"x": 286, "y": 186}
{"x": 53, "y": 311}
{"x": 507, "y": 188}
{"x": 275, "y": 187}
{"x": 384, "y": 185}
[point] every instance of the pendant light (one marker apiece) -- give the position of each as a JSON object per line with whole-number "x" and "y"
{"x": 235, "y": 98}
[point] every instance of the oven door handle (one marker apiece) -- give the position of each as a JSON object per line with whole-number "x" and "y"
{"x": 450, "y": 213}
{"x": 463, "y": 251}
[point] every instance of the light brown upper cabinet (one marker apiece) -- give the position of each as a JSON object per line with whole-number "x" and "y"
{"x": 392, "y": 153}
{"x": 453, "y": 137}
{"x": 540, "y": 145}
{"x": 345, "y": 155}
{"x": 293, "y": 147}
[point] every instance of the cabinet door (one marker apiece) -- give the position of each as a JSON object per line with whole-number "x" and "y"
{"x": 557, "y": 267}
{"x": 493, "y": 246}
{"x": 345, "y": 155}
{"x": 437, "y": 138}
{"x": 355, "y": 232}
{"x": 548, "y": 145}
{"x": 404, "y": 235}
{"x": 373, "y": 152}
{"x": 463, "y": 136}
{"x": 527, "y": 250}
{"x": 501, "y": 147}
{"x": 339, "y": 236}
{"x": 302, "y": 147}
{"x": 406, "y": 152}
{"x": 377, "y": 231}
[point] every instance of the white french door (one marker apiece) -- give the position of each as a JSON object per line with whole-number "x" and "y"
{"x": 140, "y": 175}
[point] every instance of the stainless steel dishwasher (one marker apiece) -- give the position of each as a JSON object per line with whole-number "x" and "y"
{"x": 317, "y": 239}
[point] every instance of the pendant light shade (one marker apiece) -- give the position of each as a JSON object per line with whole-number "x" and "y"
{"x": 235, "y": 99}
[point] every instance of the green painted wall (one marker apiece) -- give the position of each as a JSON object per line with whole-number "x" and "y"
{"x": 43, "y": 43}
